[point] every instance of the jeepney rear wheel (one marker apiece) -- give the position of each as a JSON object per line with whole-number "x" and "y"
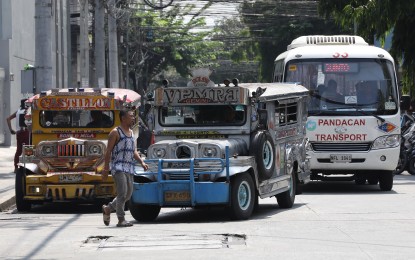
{"x": 386, "y": 180}
{"x": 286, "y": 199}
{"x": 20, "y": 190}
{"x": 242, "y": 197}
{"x": 144, "y": 213}
{"x": 263, "y": 149}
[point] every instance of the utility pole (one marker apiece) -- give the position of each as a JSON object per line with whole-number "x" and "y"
{"x": 84, "y": 43}
{"x": 43, "y": 45}
{"x": 112, "y": 47}
{"x": 99, "y": 54}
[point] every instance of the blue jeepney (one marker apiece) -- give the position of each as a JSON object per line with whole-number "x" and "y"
{"x": 223, "y": 145}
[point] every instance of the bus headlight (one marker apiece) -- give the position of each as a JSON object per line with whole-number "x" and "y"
{"x": 387, "y": 141}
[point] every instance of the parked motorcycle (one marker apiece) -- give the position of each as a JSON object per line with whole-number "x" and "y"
{"x": 407, "y": 145}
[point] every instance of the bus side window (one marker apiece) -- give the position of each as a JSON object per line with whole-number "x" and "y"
{"x": 278, "y": 71}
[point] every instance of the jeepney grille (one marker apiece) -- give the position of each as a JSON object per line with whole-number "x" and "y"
{"x": 64, "y": 165}
{"x": 341, "y": 147}
{"x": 65, "y": 150}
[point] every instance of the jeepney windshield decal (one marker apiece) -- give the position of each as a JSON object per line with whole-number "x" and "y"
{"x": 203, "y": 115}
{"x": 76, "y": 118}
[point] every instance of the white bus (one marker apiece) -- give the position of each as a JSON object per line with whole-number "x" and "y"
{"x": 353, "y": 125}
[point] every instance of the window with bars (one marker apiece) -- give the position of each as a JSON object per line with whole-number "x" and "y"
{"x": 286, "y": 114}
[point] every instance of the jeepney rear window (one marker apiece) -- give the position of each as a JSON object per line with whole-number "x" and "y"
{"x": 286, "y": 114}
{"x": 76, "y": 118}
{"x": 203, "y": 115}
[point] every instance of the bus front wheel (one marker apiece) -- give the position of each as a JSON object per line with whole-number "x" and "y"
{"x": 386, "y": 180}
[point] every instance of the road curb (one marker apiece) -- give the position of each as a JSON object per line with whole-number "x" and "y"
{"x": 7, "y": 204}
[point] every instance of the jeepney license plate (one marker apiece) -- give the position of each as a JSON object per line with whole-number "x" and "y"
{"x": 174, "y": 196}
{"x": 340, "y": 158}
{"x": 70, "y": 178}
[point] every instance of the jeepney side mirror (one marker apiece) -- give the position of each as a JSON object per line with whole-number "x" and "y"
{"x": 263, "y": 118}
{"x": 405, "y": 102}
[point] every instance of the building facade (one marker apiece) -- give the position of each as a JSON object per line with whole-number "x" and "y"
{"x": 17, "y": 49}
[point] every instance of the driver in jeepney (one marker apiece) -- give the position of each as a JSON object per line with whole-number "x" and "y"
{"x": 99, "y": 119}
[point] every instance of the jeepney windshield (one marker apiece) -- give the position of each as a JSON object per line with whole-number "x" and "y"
{"x": 203, "y": 115}
{"x": 76, "y": 118}
{"x": 347, "y": 87}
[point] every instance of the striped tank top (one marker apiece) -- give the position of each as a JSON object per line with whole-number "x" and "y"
{"x": 122, "y": 157}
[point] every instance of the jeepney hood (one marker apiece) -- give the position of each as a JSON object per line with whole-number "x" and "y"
{"x": 196, "y": 148}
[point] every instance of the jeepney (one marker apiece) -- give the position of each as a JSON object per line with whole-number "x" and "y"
{"x": 223, "y": 146}
{"x": 69, "y": 131}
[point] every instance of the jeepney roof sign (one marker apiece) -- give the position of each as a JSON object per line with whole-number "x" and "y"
{"x": 88, "y": 98}
{"x": 206, "y": 96}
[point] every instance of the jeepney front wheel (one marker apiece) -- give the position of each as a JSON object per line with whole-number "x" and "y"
{"x": 242, "y": 197}
{"x": 20, "y": 190}
{"x": 144, "y": 213}
{"x": 286, "y": 199}
{"x": 386, "y": 180}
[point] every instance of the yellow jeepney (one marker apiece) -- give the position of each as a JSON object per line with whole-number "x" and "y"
{"x": 69, "y": 130}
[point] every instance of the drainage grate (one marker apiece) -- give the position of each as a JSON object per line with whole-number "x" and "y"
{"x": 173, "y": 242}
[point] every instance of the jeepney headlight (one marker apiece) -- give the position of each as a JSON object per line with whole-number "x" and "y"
{"x": 159, "y": 152}
{"x": 95, "y": 149}
{"x": 387, "y": 141}
{"x": 210, "y": 151}
{"x": 48, "y": 150}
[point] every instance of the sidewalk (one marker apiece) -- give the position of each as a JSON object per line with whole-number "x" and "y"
{"x": 7, "y": 177}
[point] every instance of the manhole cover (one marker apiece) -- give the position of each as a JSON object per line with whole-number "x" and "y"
{"x": 173, "y": 242}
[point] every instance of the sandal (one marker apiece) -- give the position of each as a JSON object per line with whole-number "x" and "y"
{"x": 124, "y": 224}
{"x": 105, "y": 217}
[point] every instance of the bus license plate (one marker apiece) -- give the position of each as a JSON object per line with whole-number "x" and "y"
{"x": 174, "y": 196}
{"x": 341, "y": 158}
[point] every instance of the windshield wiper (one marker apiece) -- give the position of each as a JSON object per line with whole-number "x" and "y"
{"x": 369, "y": 114}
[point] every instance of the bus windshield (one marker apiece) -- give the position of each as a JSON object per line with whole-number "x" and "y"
{"x": 352, "y": 86}
{"x": 203, "y": 115}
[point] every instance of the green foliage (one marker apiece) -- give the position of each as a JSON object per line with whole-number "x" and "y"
{"x": 159, "y": 40}
{"x": 274, "y": 24}
{"x": 239, "y": 57}
{"x": 378, "y": 18}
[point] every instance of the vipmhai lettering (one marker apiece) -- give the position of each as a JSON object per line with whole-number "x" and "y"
{"x": 205, "y": 95}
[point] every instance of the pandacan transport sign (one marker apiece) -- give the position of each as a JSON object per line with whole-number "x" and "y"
{"x": 347, "y": 130}
{"x": 68, "y": 103}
